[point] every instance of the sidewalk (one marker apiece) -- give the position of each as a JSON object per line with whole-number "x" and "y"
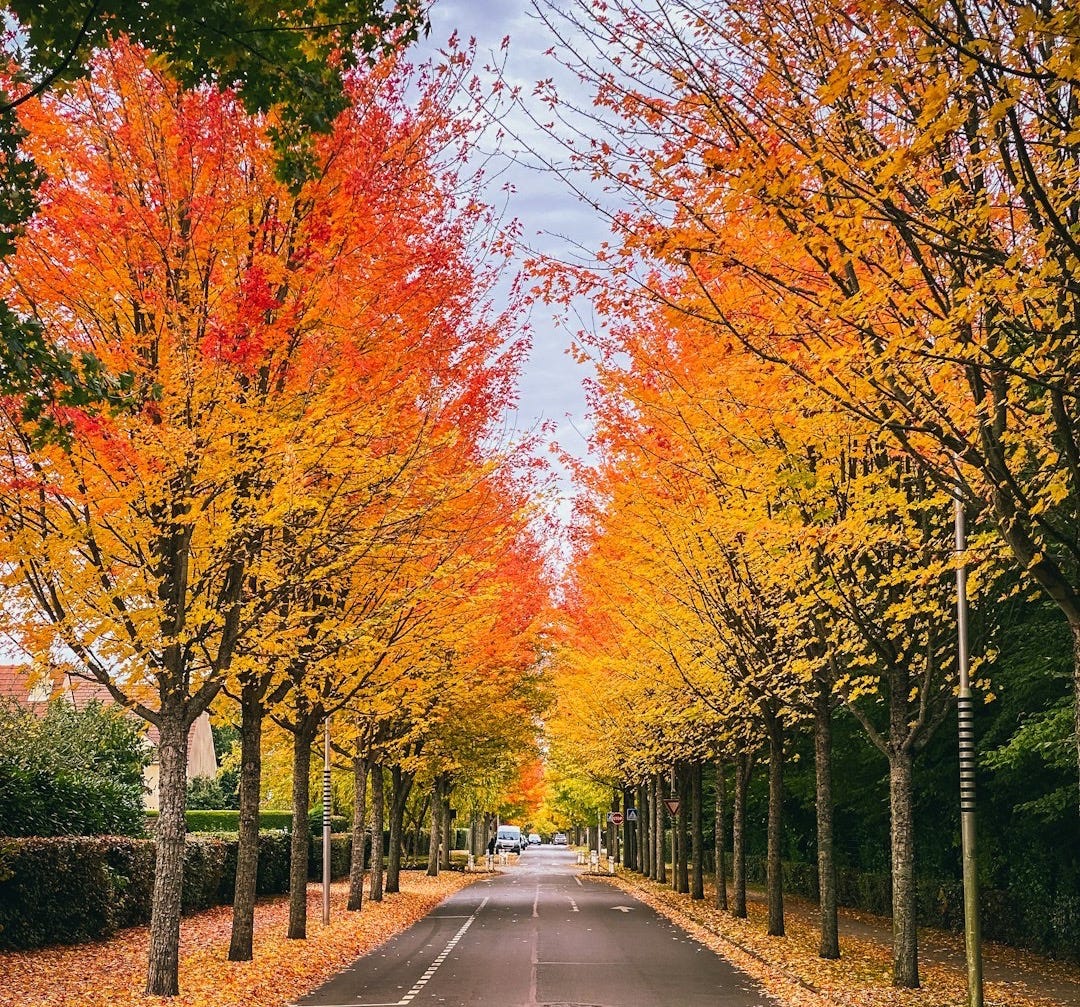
{"x": 863, "y": 975}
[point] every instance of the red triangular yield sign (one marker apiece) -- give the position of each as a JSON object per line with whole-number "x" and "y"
{"x": 672, "y": 804}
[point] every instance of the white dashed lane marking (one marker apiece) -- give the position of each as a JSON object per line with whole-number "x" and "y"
{"x": 431, "y": 969}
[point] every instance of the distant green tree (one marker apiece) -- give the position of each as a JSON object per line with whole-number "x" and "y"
{"x": 70, "y": 772}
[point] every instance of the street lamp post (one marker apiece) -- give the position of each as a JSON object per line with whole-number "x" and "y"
{"x": 966, "y": 718}
{"x": 326, "y": 824}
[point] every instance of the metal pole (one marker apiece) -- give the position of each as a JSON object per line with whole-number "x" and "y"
{"x": 966, "y": 717}
{"x": 326, "y": 824}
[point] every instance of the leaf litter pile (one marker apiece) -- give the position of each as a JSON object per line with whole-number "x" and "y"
{"x": 113, "y": 972}
{"x": 789, "y": 968}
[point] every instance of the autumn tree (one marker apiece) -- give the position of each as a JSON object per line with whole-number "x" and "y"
{"x": 934, "y": 199}
{"x": 148, "y": 544}
{"x": 297, "y": 68}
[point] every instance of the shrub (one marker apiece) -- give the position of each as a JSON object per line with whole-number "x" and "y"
{"x": 64, "y": 890}
{"x": 200, "y": 820}
{"x": 1030, "y": 915}
{"x": 69, "y": 889}
{"x": 338, "y": 823}
{"x": 340, "y": 857}
{"x": 206, "y": 882}
{"x": 70, "y": 772}
{"x": 204, "y": 792}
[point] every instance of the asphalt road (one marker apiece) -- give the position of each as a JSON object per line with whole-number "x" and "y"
{"x": 540, "y": 935}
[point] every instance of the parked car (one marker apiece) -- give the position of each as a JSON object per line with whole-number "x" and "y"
{"x": 534, "y": 839}
{"x": 509, "y": 840}
{"x": 559, "y": 839}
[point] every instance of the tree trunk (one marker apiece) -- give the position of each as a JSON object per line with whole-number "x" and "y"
{"x": 720, "y": 836}
{"x": 401, "y": 785}
{"x": 247, "y": 849}
{"x": 629, "y": 853}
{"x": 738, "y": 836}
{"x": 1074, "y": 626}
{"x": 378, "y": 824}
{"x": 163, "y": 967}
{"x": 435, "y": 834}
{"x": 905, "y": 935}
{"x": 830, "y": 939}
{"x": 359, "y": 830}
{"x": 682, "y": 822}
{"x": 413, "y": 839}
{"x": 661, "y": 838}
{"x": 774, "y": 869}
{"x": 643, "y": 848}
{"x": 697, "y": 840}
{"x": 301, "y": 829}
{"x": 644, "y": 831}
{"x": 448, "y": 826}
{"x": 649, "y": 824}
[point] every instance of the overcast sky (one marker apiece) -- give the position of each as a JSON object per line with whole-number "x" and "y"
{"x": 552, "y": 218}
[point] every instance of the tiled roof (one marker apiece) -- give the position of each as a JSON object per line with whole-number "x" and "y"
{"x": 83, "y": 692}
{"x": 14, "y": 683}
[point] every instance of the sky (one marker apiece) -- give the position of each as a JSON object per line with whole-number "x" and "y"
{"x": 553, "y": 220}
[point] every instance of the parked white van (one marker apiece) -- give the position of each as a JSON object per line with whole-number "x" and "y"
{"x": 508, "y": 839}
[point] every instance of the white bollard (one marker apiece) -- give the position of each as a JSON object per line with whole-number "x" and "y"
{"x": 472, "y": 864}
{"x": 611, "y": 865}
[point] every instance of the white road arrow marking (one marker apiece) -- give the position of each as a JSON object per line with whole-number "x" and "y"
{"x": 622, "y": 909}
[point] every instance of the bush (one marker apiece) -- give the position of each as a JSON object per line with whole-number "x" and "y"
{"x": 206, "y": 881}
{"x": 64, "y": 890}
{"x": 71, "y": 889}
{"x": 205, "y": 793}
{"x": 1035, "y": 916}
{"x": 340, "y": 857}
{"x": 199, "y": 820}
{"x": 70, "y": 772}
{"x": 338, "y": 823}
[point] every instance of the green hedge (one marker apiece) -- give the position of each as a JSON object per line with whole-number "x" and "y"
{"x": 228, "y": 821}
{"x": 1035, "y": 916}
{"x": 65, "y": 890}
{"x": 340, "y": 857}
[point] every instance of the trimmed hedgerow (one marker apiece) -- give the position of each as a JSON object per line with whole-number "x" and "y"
{"x": 68, "y": 889}
{"x": 1035, "y": 914}
{"x": 225, "y": 820}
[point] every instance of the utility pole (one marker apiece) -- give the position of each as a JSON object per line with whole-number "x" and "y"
{"x": 326, "y": 824}
{"x": 966, "y": 718}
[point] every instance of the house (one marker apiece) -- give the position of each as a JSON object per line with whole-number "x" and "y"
{"x": 15, "y": 681}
